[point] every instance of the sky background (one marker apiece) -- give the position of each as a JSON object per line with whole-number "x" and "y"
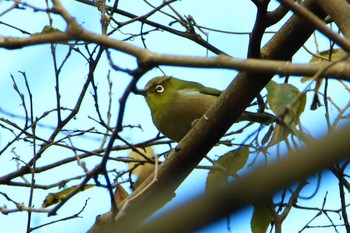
{"x": 36, "y": 62}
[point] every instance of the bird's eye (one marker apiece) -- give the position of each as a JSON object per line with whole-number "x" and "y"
{"x": 159, "y": 88}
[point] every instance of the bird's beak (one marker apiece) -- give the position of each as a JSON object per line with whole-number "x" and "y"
{"x": 141, "y": 92}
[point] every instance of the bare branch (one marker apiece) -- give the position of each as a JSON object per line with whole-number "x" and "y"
{"x": 318, "y": 23}
{"x": 339, "y": 10}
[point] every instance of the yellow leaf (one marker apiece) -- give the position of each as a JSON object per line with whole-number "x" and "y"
{"x": 120, "y": 194}
{"x": 141, "y": 169}
{"x": 325, "y": 56}
{"x": 280, "y": 133}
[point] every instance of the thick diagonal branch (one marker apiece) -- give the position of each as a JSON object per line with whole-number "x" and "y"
{"x": 204, "y": 135}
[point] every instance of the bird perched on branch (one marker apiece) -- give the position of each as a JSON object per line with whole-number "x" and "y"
{"x": 175, "y": 104}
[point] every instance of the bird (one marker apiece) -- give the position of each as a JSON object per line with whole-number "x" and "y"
{"x": 176, "y": 104}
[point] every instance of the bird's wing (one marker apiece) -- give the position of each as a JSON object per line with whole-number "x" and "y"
{"x": 201, "y": 89}
{"x": 210, "y": 91}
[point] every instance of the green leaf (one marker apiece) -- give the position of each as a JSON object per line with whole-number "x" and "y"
{"x": 46, "y": 30}
{"x": 262, "y": 218}
{"x": 54, "y": 198}
{"x": 49, "y": 29}
{"x": 282, "y": 96}
{"x": 288, "y": 103}
{"x": 226, "y": 166}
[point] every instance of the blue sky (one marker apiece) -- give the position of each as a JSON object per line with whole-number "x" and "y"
{"x": 36, "y": 61}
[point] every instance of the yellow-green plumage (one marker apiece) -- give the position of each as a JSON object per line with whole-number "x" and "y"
{"x": 180, "y": 103}
{"x": 175, "y": 104}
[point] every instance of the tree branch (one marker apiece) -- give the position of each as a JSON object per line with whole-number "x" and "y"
{"x": 339, "y": 10}
{"x": 318, "y": 23}
{"x": 207, "y": 131}
{"x": 339, "y": 70}
{"x": 260, "y": 184}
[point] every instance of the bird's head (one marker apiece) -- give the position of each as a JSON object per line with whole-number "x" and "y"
{"x": 160, "y": 89}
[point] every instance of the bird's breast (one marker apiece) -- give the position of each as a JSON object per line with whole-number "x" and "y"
{"x": 177, "y": 116}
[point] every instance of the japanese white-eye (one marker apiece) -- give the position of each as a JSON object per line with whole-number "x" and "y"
{"x": 175, "y": 104}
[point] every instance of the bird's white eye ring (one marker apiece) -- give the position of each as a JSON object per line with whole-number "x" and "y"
{"x": 159, "y": 88}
